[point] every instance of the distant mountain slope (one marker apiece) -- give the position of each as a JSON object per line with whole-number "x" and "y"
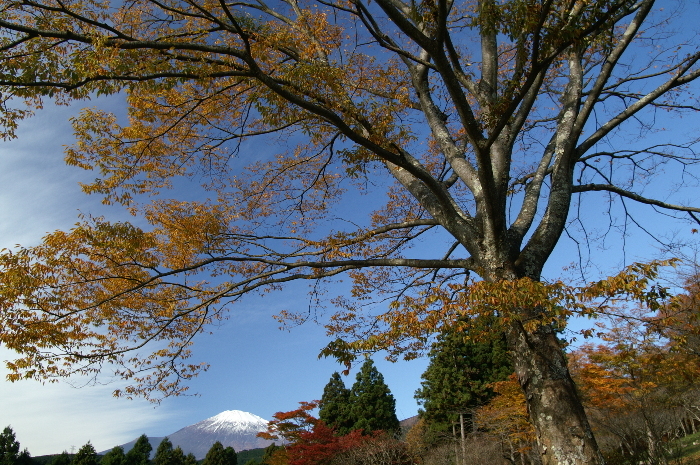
{"x": 154, "y": 442}
{"x": 231, "y": 428}
{"x": 409, "y": 422}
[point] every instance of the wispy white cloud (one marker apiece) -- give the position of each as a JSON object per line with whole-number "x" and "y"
{"x": 38, "y": 191}
{"x": 50, "y": 418}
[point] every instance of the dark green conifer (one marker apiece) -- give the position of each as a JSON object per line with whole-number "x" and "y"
{"x": 24, "y": 458}
{"x": 457, "y": 378}
{"x": 190, "y": 459}
{"x": 231, "y": 456}
{"x": 114, "y": 457}
{"x": 334, "y": 409}
{"x": 86, "y": 456}
{"x": 140, "y": 454}
{"x": 9, "y": 447}
{"x": 218, "y": 455}
{"x": 177, "y": 457}
{"x": 372, "y": 405}
{"x": 269, "y": 452}
{"x": 215, "y": 456}
{"x": 164, "y": 453}
{"x": 64, "y": 458}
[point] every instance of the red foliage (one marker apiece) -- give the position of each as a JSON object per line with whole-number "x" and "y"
{"x": 311, "y": 441}
{"x": 290, "y": 425}
{"x": 319, "y": 445}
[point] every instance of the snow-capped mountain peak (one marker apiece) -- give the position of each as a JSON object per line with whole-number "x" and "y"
{"x": 231, "y": 427}
{"x": 234, "y": 420}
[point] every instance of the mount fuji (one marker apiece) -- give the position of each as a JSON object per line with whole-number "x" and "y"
{"x": 233, "y": 428}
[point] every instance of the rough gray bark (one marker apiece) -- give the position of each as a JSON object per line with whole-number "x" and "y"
{"x": 564, "y": 436}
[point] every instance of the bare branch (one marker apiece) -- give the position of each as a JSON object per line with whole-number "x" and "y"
{"x": 633, "y": 196}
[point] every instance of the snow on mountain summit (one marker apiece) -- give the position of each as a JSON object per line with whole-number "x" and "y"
{"x": 234, "y": 420}
{"x": 231, "y": 427}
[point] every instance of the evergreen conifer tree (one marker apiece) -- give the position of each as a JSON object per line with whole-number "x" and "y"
{"x": 190, "y": 459}
{"x": 114, "y": 457}
{"x": 218, "y": 455}
{"x": 24, "y": 458}
{"x": 164, "y": 453}
{"x": 140, "y": 454}
{"x": 231, "y": 456}
{"x": 457, "y": 378}
{"x": 335, "y": 407}
{"x": 177, "y": 457}
{"x": 9, "y": 447}
{"x": 372, "y": 405}
{"x": 86, "y": 456}
{"x": 64, "y": 458}
{"x": 269, "y": 452}
{"x": 215, "y": 456}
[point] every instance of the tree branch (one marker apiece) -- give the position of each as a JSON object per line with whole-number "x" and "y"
{"x": 633, "y": 196}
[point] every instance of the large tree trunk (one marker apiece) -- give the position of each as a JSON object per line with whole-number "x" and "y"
{"x": 656, "y": 454}
{"x": 564, "y": 435}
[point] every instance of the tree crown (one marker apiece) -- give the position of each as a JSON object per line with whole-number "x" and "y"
{"x": 483, "y": 122}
